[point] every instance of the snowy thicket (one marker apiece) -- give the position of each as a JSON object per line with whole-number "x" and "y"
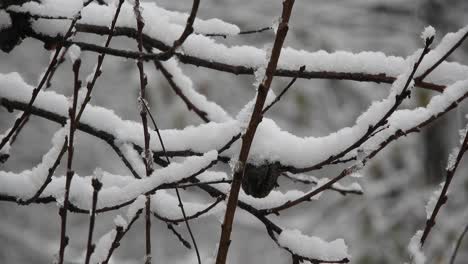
{"x": 182, "y": 173}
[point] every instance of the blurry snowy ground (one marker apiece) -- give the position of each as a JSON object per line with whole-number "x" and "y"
{"x": 377, "y": 226}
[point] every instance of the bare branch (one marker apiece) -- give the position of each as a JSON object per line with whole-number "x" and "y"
{"x": 248, "y": 137}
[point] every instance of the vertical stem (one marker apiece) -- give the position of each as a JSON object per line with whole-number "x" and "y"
{"x": 90, "y": 246}
{"x": 72, "y": 114}
{"x": 181, "y": 204}
{"x": 148, "y": 229}
{"x": 143, "y": 114}
{"x": 247, "y": 139}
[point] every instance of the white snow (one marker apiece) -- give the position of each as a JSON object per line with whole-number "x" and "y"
{"x": 431, "y": 203}
{"x": 133, "y": 157}
{"x": 214, "y": 112}
{"x": 161, "y": 26}
{"x": 98, "y": 174}
{"x": 50, "y": 7}
{"x": 429, "y": 32}
{"x": 201, "y": 26}
{"x": 25, "y": 184}
{"x": 414, "y": 248}
{"x": 447, "y": 42}
{"x": 120, "y": 221}
{"x": 166, "y": 205}
{"x": 452, "y": 158}
{"x": 74, "y": 52}
{"x": 313, "y": 247}
{"x": 137, "y": 205}
{"x": 103, "y": 246}
{"x": 463, "y": 133}
{"x": 288, "y": 148}
{"x": 5, "y": 20}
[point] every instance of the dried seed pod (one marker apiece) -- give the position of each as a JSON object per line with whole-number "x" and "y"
{"x": 259, "y": 180}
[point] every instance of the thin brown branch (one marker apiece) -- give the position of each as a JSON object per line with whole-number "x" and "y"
{"x": 181, "y": 205}
{"x": 278, "y": 98}
{"x": 36, "y": 91}
{"x": 450, "y": 173}
{"x": 63, "y": 211}
{"x": 244, "y": 32}
{"x": 248, "y": 137}
{"x": 340, "y": 190}
{"x": 60, "y": 61}
{"x": 243, "y": 70}
{"x": 220, "y": 66}
{"x": 108, "y": 138}
{"x": 443, "y": 58}
{"x": 120, "y": 233}
{"x": 178, "y": 91}
{"x": 148, "y": 160}
{"x": 179, "y": 236}
{"x": 190, "y": 217}
{"x": 399, "y": 98}
{"x": 188, "y": 28}
{"x": 309, "y": 195}
{"x": 374, "y": 152}
{"x": 76, "y": 209}
{"x": 457, "y": 245}
{"x": 97, "y": 70}
{"x": 97, "y": 185}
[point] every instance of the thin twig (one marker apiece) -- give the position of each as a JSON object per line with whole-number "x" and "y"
{"x": 36, "y": 91}
{"x": 60, "y": 61}
{"x": 181, "y": 205}
{"x": 97, "y": 70}
{"x": 219, "y": 66}
{"x": 191, "y": 106}
{"x": 148, "y": 160}
{"x": 120, "y": 233}
{"x": 69, "y": 175}
{"x": 234, "y": 69}
{"x": 457, "y": 245}
{"x": 190, "y": 217}
{"x": 340, "y": 190}
{"x": 278, "y": 98}
{"x": 108, "y": 138}
{"x": 399, "y": 98}
{"x": 443, "y": 58}
{"x": 244, "y": 32}
{"x": 179, "y": 236}
{"x": 97, "y": 185}
{"x": 450, "y": 173}
{"x": 247, "y": 139}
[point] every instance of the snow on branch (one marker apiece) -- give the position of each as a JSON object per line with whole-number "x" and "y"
{"x": 259, "y": 148}
{"x": 314, "y": 248}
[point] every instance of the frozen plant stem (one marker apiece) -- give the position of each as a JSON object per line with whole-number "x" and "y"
{"x": 20, "y": 121}
{"x": 457, "y": 245}
{"x": 181, "y": 204}
{"x": 97, "y": 185}
{"x": 248, "y": 137}
{"x": 143, "y": 114}
{"x": 69, "y": 175}
{"x": 97, "y": 71}
{"x": 120, "y": 233}
{"x": 450, "y": 173}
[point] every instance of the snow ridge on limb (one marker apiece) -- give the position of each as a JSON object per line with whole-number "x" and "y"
{"x": 312, "y": 247}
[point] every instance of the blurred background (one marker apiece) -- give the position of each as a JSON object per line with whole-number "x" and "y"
{"x": 376, "y": 226}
